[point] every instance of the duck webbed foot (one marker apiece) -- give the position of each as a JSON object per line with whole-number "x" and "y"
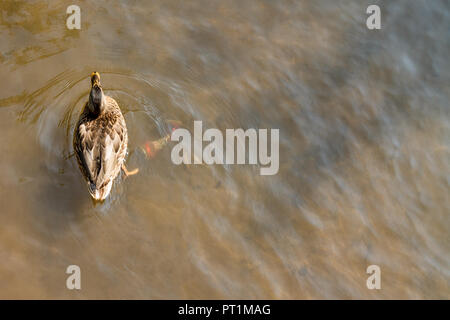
{"x": 129, "y": 173}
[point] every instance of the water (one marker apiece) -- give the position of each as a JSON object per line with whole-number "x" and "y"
{"x": 364, "y": 150}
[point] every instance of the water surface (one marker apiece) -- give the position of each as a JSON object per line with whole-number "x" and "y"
{"x": 364, "y": 150}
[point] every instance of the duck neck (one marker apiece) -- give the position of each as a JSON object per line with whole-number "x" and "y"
{"x": 96, "y": 103}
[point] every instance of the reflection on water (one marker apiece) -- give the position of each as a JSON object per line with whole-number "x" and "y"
{"x": 364, "y": 150}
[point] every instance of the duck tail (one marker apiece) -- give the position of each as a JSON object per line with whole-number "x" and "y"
{"x": 99, "y": 194}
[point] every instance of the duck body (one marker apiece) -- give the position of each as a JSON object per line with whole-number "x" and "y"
{"x": 100, "y": 141}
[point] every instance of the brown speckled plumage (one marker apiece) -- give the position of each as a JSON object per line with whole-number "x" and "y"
{"x": 100, "y": 143}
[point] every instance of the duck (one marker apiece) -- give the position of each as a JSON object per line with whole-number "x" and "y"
{"x": 100, "y": 141}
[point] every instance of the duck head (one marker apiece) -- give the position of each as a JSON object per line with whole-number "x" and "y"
{"x": 96, "y": 97}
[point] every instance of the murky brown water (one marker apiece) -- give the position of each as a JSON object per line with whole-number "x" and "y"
{"x": 364, "y": 150}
